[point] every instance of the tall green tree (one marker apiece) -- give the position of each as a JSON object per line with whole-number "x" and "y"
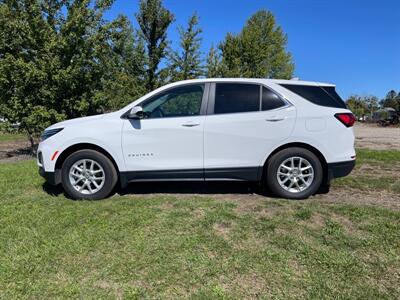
{"x": 213, "y": 67}
{"x": 27, "y": 66}
{"x": 128, "y": 73}
{"x": 259, "y": 50}
{"x": 154, "y": 20}
{"x": 186, "y": 63}
{"x": 57, "y": 60}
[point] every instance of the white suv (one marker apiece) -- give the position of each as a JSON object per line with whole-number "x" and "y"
{"x": 291, "y": 136}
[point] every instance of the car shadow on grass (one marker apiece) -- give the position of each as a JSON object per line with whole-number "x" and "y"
{"x": 188, "y": 187}
{"x": 53, "y": 190}
{"x": 178, "y": 187}
{"x": 183, "y": 187}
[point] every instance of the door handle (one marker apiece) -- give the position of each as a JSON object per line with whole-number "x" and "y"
{"x": 190, "y": 124}
{"x": 275, "y": 119}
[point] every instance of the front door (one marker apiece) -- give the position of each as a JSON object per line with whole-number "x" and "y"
{"x": 168, "y": 141}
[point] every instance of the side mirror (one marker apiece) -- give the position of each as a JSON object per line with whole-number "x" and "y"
{"x": 136, "y": 112}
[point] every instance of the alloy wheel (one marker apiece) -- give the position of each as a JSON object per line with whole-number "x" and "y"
{"x": 87, "y": 176}
{"x": 295, "y": 174}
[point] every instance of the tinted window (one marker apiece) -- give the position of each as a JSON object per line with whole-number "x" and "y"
{"x": 178, "y": 102}
{"x": 234, "y": 98}
{"x": 270, "y": 100}
{"x": 325, "y": 96}
{"x": 332, "y": 92}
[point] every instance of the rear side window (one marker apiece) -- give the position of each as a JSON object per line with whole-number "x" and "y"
{"x": 270, "y": 100}
{"x": 325, "y": 96}
{"x": 236, "y": 97}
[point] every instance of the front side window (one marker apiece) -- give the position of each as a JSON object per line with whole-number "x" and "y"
{"x": 177, "y": 102}
{"x": 236, "y": 97}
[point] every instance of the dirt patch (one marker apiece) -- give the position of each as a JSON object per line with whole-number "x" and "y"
{"x": 353, "y": 196}
{"x": 255, "y": 203}
{"x": 222, "y": 229}
{"x": 247, "y": 199}
{"x": 16, "y": 150}
{"x": 317, "y": 221}
{"x": 371, "y": 136}
{"x": 198, "y": 213}
{"x": 251, "y": 285}
{"x": 112, "y": 286}
{"x": 345, "y": 222}
{"x": 377, "y": 171}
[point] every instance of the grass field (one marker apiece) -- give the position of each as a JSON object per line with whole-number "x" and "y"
{"x": 200, "y": 247}
{"x": 6, "y": 137}
{"x": 375, "y": 170}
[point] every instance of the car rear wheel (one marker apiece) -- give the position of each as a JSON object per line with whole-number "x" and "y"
{"x": 294, "y": 173}
{"x": 88, "y": 174}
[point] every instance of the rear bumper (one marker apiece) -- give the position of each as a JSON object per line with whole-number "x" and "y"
{"x": 340, "y": 169}
{"x": 51, "y": 177}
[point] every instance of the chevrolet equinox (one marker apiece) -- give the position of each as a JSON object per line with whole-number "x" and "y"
{"x": 292, "y": 137}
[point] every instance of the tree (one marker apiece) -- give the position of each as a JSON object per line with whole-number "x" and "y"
{"x": 259, "y": 50}
{"x": 362, "y": 105}
{"x": 232, "y": 62}
{"x": 372, "y": 103}
{"x": 214, "y": 68}
{"x": 127, "y": 82}
{"x": 153, "y": 20}
{"x": 392, "y": 100}
{"x": 27, "y": 66}
{"x": 58, "y": 60}
{"x": 357, "y": 105}
{"x": 186, "y": 64}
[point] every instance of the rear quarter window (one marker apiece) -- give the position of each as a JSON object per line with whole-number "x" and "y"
{"x": 320, "y": 95}
{"x": 270, "y": 100}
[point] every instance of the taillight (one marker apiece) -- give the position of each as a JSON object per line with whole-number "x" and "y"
{"x": 347, "y": 119}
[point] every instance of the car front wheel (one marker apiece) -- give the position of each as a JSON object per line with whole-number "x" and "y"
{"x": 88, "y": 174}
{"x": 294, "y": 173}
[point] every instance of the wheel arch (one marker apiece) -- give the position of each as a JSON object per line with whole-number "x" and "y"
{"x": 309, "y": 147}
{"x": 76, "y": 147}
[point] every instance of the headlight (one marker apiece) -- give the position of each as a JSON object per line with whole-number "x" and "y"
{"x": 48, "y": 133}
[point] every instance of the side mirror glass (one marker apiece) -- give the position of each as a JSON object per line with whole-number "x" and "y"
{"x": 136, "y": 112}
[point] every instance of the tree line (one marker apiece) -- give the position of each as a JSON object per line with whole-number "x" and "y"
{"x": 367, "y": 105}
{"x": 62, "y": 59}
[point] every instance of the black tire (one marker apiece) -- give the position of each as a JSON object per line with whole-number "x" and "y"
{"x": 278, "y": 158}
{"x": 110, "y": 174}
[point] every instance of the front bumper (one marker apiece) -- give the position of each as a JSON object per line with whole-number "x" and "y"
{"x": 340, "y": 169}
{"x": 51, "y": 177}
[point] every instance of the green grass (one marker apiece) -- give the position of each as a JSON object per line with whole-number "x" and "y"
{"x": 200, "y": 247}
{"x": 382, "y": 158}
{"x": 382, "y": 172}
{"x": 7, "y": 137}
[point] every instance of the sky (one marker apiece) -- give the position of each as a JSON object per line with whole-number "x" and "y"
{"x": 354, "y": 44}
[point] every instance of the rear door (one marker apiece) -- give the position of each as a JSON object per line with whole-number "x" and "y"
{"x": 244, "y": 122}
